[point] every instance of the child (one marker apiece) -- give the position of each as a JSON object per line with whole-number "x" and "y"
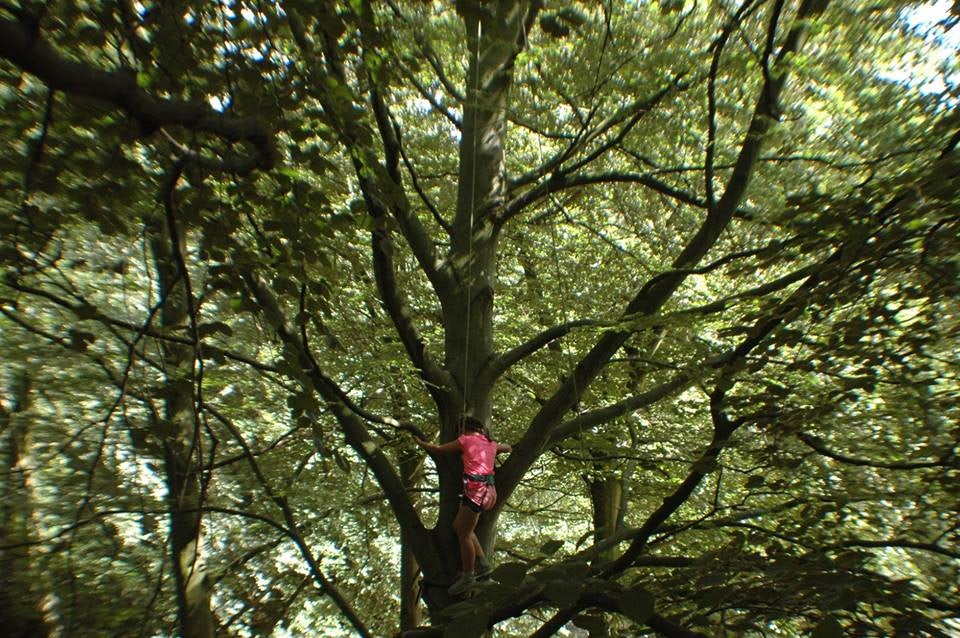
{"x": 479, "y": 452}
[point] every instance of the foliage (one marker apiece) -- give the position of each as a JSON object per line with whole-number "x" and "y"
{"x": 696, "y": 262}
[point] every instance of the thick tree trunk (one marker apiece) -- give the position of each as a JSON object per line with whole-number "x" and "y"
{"x": 181, "y": 438}
{"x": 21, "y": 582}
{"x": 410, "y": 617}
{"x": 494, "y": 34}
{"x": 606, "y": 498}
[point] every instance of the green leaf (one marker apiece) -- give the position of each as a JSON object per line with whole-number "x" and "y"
{"x": 596, "y": 625}
{"x": 510, "y": 574}
{"x": 342, "y": 462}
{"x": 636, "y": 603}
{"x": 551, "y": 25}
{"x": 472, "y": 624}
{"x": 829, "y": 627}
{"x": 562, "y": 592}
{"x": 572, "y": 16}
{"x": 206, "y": 329}
{"x": 213, "y": 353}
{"x": 568, "y": 571}
{"x": 551, "y": 547}
{"x": 85, "y": 311}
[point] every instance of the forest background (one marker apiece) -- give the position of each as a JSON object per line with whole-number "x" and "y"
{"x": 697, "y": 261}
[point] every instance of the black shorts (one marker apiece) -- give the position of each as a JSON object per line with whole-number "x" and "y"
{"x": 473, "y": 507}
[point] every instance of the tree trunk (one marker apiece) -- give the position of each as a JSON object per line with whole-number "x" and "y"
{"x": 410, "y": 617}
{"x": 494, "y": 33}
{"x": 21, "y": 583}
{"x": 606, "y": 498}
{"x": 181, "y": 437}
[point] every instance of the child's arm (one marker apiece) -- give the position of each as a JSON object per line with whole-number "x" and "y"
{"x": 503, "y": 447}
{"x": 446, "y": 448}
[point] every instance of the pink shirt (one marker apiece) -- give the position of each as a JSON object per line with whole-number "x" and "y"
{"x": 479, "y": 453}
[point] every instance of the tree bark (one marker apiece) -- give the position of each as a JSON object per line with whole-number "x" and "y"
{"x": 606, "y": 494}
{"x": 495, "y": 35}
{"x": 21, "y": 584}
{"x": 410, "y": 616}
{"x": 181, "y": 437}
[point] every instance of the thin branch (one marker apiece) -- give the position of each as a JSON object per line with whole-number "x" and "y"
{"x": 422, "y": 194}
{"x": 95, "y": 517}
{"x": 561, "y": 181}
{"x": 36, "y": 154}
{"x": 592, "y": 418}
{"x": 815, "y": 443}
{"x": 903, "y": 544}
{"x": 429, "y": 97}
{"x": 89, "y": 312}
{"x": 434, "y": 61}
{"x": 413, "y": 231}
{"x": 629, "y": 113}
{"x": 293, "y": 528}
{"x": 509, "y": 358}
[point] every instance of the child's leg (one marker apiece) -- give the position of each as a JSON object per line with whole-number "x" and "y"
{"x": 463, "y": 525}
{"x": 477, "y": 548}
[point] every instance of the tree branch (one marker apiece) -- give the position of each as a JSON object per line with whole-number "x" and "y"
{"x": 926, "y": 547}
{"x": 293, "y": 528}
{"x": 428, "y": 96}
{"x": 593, "y": 418}
{"x": 718, "y": 47}
{"x": 413, "y": 231}
{"x": 815, "y": 443}
{"x": 87, "y": 311}
{"x": 560, "y": 181}
{"x": 630, "y": 113}
{"x": 119, "y": 88}
{"x": 353, "y": 428}
{"x": 509, "y": 358}
{"x": 652, "y": 297}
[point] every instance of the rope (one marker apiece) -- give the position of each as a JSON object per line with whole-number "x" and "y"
{"x": 473, "y": 193}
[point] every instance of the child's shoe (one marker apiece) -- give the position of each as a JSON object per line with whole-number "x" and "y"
{"x": 483, "y": 569}
{"x": 463, "y": 582}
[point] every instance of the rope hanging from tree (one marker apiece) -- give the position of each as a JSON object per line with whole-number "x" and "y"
{"x": 473, "y": 196}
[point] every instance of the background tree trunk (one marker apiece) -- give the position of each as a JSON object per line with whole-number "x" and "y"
{"x": 410, "y": 473}
{"x": 21, "y": 582}
{"x": 181, "y": 440}
{"x": 607, "y": 501}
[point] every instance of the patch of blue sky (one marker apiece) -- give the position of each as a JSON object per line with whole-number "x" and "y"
{"x": 934, "y": 69}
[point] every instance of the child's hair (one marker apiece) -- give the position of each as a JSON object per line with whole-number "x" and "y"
{"x": 473, "y": 424}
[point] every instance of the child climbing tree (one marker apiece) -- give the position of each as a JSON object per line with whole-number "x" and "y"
{"x": 383, "y": 208}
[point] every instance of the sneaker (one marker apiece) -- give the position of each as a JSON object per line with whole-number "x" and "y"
{"x": 463, "y": 582}
{"x": 483, "y": 569}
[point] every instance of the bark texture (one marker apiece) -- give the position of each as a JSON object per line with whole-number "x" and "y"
{"x": 21, "y": 595}
{"x": 181, "y": 437}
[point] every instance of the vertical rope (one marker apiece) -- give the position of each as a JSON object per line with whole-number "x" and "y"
{"x": 473, "y": 196}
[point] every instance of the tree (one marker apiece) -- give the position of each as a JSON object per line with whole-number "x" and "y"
{"x": 388, "y": 245}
